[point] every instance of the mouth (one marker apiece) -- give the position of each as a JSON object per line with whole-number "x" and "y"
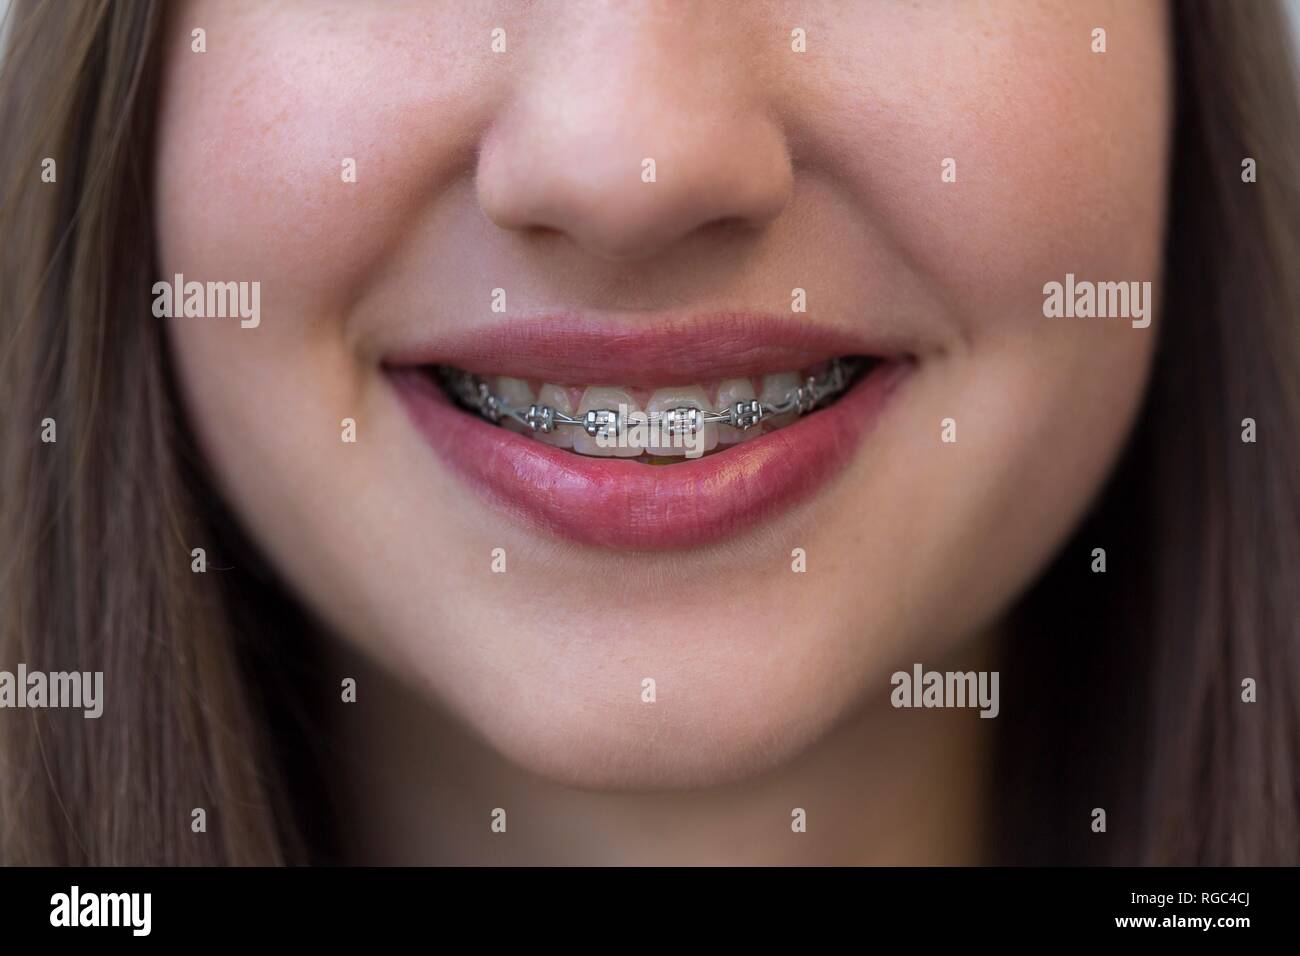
{"x": 656, "y": 427}
{"x": 709, "y": 429}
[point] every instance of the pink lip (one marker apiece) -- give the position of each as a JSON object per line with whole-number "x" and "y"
{"x": 626, "y": 505}
{"x": 577, "y": 350}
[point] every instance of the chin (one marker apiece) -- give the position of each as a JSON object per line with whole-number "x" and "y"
{"x": 721, "y": 714}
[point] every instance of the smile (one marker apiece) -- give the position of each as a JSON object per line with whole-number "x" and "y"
{"x": 774, "y": 411}
{"x": 657, "y": 427}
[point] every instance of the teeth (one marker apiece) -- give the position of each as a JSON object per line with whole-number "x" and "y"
{"x": 776, "y": 388}
{"x": 518, "y": 394}
{"x": 558, "y": 399}
{"x": 685, "y": 445}
{"x": 670, "y": 424}
{"x": 729, "y": 392}
{"x": 630, "y": 413}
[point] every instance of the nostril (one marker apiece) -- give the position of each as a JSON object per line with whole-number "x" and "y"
{"x": 723, "y": 223}
{"x": 728, "y": 225}
{"x": 540, "y": 232}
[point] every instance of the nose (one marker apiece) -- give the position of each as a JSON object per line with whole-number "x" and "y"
{"x": 630, "y": 150}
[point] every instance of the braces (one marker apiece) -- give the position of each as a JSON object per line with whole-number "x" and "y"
{"x": 473, "y": 391}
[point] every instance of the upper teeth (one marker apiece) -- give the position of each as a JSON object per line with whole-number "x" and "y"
{"x": 676, "y": 421}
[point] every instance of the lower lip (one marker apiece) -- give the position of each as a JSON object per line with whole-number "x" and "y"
{"x": 620, "y": 504}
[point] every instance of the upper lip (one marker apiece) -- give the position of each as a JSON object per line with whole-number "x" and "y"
{"x": 574, "y": 349}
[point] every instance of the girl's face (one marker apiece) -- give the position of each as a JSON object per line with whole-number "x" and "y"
{"x": 411, "y": 186}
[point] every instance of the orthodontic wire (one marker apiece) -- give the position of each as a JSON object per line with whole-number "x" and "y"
{"x": 472, "y": 390}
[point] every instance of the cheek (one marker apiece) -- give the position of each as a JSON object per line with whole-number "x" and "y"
{"x": 250, "y": 185}
{"x": 253, "y": 178}
{"x": 1058, "y": 153}
{"x": 1068, "y": 176}
{"x": 1060, "y": 160}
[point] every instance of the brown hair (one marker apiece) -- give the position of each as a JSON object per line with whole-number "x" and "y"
{"x": 101, "y": 522}
{"x": 1129, "y": 683}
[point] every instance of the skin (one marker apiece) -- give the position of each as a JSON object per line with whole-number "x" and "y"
{"x": 477, "y": 170}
